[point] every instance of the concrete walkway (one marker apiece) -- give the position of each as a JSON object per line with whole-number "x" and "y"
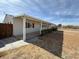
{"x": 15, "y": 42}
{"x": 13, "y": 45}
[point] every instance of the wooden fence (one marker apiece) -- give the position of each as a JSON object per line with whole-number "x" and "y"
{"x": 6, "y": 30}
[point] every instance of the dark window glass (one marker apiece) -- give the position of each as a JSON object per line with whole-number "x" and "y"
{"x": 26, "y": 25}
{"x": 32, "y": 25}
{"x": 29, "y": 25}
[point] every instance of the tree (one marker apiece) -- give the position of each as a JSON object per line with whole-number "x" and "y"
{"x": 59, "y": 25}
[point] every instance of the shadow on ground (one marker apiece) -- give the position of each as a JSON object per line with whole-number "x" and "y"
{"x": 52, "y": 42}
{"x": 6, "y": 41}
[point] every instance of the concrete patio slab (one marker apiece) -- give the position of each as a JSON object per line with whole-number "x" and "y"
{"x": 13, "y": 45}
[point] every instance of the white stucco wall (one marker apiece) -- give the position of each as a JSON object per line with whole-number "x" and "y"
{"x": 18, "y": 27}
{"x": 36, "y": 28}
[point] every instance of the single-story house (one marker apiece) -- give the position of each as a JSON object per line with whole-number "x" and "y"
{"x": 26, "y": 24}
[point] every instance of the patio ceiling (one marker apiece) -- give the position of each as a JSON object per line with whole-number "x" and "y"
{"x": 34, "y": 20}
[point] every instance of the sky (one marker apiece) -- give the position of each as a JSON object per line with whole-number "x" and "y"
{"x": 54, "y": 11}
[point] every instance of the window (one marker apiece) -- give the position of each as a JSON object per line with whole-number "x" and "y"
{"x": 28, "y": 25}
{"x": 32, "y": 25}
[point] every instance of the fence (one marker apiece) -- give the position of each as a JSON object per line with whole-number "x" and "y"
{"x": 6, "y": 30}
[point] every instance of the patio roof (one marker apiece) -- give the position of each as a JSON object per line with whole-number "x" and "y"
{"x": 32, "y": 18}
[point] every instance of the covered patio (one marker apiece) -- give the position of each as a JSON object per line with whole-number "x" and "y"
{"x": 42, "y": 25}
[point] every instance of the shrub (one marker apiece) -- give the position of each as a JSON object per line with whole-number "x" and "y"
{"x": 48, "y": 30}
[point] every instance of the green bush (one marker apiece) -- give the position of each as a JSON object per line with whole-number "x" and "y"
{"x": 48, "y": 30}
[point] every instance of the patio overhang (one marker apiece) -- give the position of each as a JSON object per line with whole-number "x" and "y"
{"x": 27, "y": 18}
{"x": 33, "y": 19}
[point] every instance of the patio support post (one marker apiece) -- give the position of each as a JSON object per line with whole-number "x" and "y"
{"x": 24, "y": 28}
{"x": 41, "y": 28}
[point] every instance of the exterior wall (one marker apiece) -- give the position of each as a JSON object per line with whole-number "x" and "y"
{"x": 36, "y": 28}
{"x": 18, "y": 27}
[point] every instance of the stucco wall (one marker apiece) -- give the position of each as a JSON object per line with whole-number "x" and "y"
{"x": 18, "y": 27}
{"x": 36, "y": 28}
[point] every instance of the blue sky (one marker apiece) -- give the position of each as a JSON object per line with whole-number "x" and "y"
{"x": 55, "y": 11}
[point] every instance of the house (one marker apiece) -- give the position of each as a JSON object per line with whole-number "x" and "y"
{"x": 26, "y": 24}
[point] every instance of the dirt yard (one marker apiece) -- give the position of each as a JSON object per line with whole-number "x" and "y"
{"x": 71, "y": 44}
{"x": 56, "y": 45}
